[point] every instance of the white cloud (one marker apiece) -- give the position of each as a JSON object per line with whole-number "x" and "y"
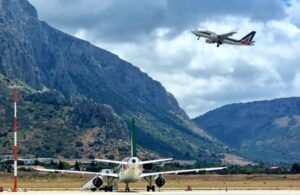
{"x": 295, "y": 88}
{"x": 70, "y": 8}
{"x": 202, "y": 76}
{"x": 134, "y": 20}
{"x": 294, "y": 11}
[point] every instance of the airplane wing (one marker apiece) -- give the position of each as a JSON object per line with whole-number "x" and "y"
{"x": 155, "y": 161}
{"x": 181, "y": 171}
{"x": 111, "y": 161}
{"x": 222, "y": 36}
{"x": 79, "y": 172}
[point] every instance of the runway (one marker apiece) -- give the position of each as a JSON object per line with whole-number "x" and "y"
{"x": 200, "y": 192}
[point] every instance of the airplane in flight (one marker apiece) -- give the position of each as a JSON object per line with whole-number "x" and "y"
{"x": 212, "y": 37}
{"x": 128, "y": 171}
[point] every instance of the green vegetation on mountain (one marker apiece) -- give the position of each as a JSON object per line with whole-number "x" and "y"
{"x": 78, "y": 99}
{"x": 267, "y": 131}
{"x": 56, "y": 130}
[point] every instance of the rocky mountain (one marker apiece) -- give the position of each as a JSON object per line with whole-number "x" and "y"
{"x": 73, "y": 70}
{"x": 43, "y": 57}
{"x": 60, "y": 129}
{"x": 267, "y": 131}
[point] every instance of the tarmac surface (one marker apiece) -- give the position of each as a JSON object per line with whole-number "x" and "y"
{"x": 201, "y": 192}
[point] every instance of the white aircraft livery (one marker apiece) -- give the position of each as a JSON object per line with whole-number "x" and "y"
{"x": 212, "y": 37}
{"x": 128, "y": 171}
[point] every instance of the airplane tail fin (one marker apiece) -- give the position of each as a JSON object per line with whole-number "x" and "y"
{"x": 133, "y": 139}
{"x": 247, "y": 40}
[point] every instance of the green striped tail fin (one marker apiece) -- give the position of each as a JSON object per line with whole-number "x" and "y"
{"x": 133, "y": 139}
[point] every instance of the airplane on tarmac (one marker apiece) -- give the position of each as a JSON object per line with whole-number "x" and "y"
{"x": 129, "y": 170}
{"x": 212, "y": 37}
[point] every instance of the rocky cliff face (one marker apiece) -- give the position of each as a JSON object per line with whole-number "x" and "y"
{"x": 267, "y": 131}
{"x": 45, "y": 58}
{"x": 50, "y": 126}
{"x": 41, "y": 56}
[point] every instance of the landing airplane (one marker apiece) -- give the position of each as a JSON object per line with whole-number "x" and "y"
{"x": 212, "y": 37}
{"x": 129, "y": 170}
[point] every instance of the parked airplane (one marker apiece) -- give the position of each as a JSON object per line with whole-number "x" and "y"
{"x": 129, "y": 170}
{"x": 212, "y": 37}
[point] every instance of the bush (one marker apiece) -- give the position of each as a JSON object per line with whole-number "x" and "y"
{"x": 63, "y": 165}
{"x": 295, "y": 168}
{"x": 78, "y": 144}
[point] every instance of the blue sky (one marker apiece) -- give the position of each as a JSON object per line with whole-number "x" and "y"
{"x": 155, "y": 36}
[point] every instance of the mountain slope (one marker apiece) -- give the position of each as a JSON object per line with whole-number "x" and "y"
{"x": 52, "y": 127}
{"x": 267, "y": 131}
{"x": 41, "y": 56}
{"x": 45, "y": 58}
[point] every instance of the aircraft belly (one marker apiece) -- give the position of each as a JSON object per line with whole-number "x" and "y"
{"x": 230, "y": 42}
{"x": 130, "y": 175}
{"x": 206, "y": 36}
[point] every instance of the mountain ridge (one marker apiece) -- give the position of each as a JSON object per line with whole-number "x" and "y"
{"x": 36, "y": 78}
{"x": 47, "y": 59}
{"x": 267, "y": 131}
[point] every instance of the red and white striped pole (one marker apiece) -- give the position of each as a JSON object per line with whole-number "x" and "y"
{"x": 15, "y": 141}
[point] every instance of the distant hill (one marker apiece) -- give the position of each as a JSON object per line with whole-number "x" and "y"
{"x": 267, "y": 131}
{"x": 46, "y": 59}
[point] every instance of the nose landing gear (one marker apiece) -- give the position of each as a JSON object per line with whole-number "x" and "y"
{"x": 127, "y": 189}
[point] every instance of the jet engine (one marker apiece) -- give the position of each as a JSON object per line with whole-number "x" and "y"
{"x": 93, "y": 184}
{"x": 97, "y": 182}
{"x": 209, "y": 41}
{"x": 160, "y": 181}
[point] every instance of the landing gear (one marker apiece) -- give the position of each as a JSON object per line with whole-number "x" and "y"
{"x": 198, "y": 38}
{"x": 93, "y": 189}
{"x": 218, "y": 45}
{"x": 149, "y": 188}
{"x": 108, "y": 188}
{"x": 127, "y": 189}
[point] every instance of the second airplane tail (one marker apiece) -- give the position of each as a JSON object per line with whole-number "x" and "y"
{"x": 247, "y": 40}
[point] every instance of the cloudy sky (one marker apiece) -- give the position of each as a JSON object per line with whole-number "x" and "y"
{"x": 155, "y": 36}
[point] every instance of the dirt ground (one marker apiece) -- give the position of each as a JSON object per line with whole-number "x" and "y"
{"x": 179, "y": 182}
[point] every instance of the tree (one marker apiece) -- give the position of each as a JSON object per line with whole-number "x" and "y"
{"x": 295, "y": 168}
{"x": 9, "y": 169}
{"x": 77, "y": 168}
{"x": 36, "y": 162}
{"x": 60, "y": 165}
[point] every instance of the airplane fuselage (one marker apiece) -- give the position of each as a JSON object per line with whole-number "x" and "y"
{"x": 212, "y": 37}
{"x": 205, "y": 34}
{"x": 130, "y": 172}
